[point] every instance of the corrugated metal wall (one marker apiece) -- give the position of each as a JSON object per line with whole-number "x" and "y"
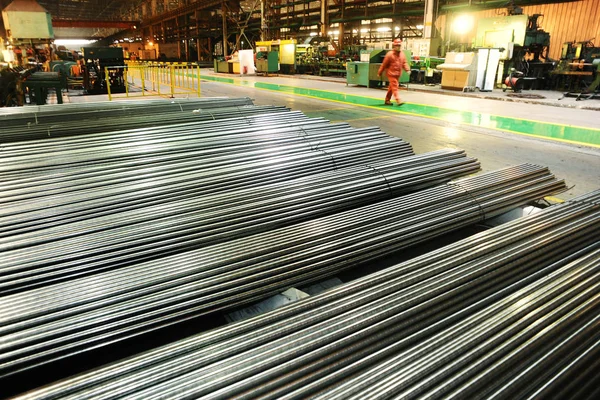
{"x": 566, "y": 22}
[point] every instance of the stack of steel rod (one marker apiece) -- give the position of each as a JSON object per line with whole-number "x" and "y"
{"x": 231, "y": 126}
{"x": 121, "y": 107}
{"x": 181, "y": 119}
{"x": 217, "y": 137}
{"x": 57, "y": 320}
{"x": 512, "y": 312}
{"x": 283, "y": 135}
{"x": 83, "y": 128}
{"x": 38, "y": 247}
{"x": 125, "y": 177}
{"x": 58, "y": 113}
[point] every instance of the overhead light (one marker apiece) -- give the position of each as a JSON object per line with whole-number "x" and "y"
{"x": 150, "y": 44}
{"x": 462, "y": 24}
{"x": 397, "y": 28}
{"x": 354, "y": 31}
{"x": 364, "y": 30}
{"x": 313, "y": 34}
{"x": 384, "y": 29}
{"x": 73, "y": 42}
{"x": 419, "y": 26}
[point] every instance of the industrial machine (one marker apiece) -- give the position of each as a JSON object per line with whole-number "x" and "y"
{"x": 267, "y": 62}
{"x": 364, "y": 72}
{"x": 18, "y": 83}
{"x": 332, "y": 66}
{"x": 523, "y": 46}
{"x": 307, "y": 61}
{"x": 38, "y": 83}
{"x": 11, "y": 94}
{"x": 222, "y": 65}
{"x": 425, "y": 70}
{"x": 96, "y": 61}
{"x": 315, "y": 61}
{"x": 26, "y": 22}
{"x": 578, "y": 71}
{"x": 286, "y": 51}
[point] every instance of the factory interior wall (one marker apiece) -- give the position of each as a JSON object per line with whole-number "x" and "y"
{"x": 566, "y": 22}
{"x": 170, "y": 50}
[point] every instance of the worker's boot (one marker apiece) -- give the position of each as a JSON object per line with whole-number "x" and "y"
{"x": 387, "y": 103}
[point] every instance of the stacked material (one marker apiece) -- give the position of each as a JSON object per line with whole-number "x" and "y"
{"x": 102, "y": 177}
{"x": 512, "y": 312}
{"x": 59, "y": 247}
{"x": 43, "y": 324}
{"x": 256, "y": 137}
{"x": 32, "y": 123}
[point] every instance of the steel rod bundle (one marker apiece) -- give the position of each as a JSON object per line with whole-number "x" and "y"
{"x": 231, "y": 126}
{"x": 130, "y": 179}
{"x": 71, "y": 113}
{"x": 42, "y": 324}
{"x": 511, "y": 312}
{"x": 82, "y": 129}
{"x": 156, "y": 104}
{"x": 86, "y": 245}
{"x": 182, "y": 140}
{"x": 85, "y": 128}
{"x": 132, "y": 195}
{"x": 329, "y": 135}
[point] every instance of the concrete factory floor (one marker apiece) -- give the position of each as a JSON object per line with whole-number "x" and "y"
{"x": 561, "y": 134}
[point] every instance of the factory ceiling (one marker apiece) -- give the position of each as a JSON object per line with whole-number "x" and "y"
{"x": 80, "y": 11}
{"x": 70, "y": 16}
{"x": 83, "y": 9}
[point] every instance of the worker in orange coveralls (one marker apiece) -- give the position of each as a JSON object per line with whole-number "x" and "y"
{"x": 394, "y": 62}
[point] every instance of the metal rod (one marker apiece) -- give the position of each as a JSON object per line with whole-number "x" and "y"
{"x": 195, "y": 281}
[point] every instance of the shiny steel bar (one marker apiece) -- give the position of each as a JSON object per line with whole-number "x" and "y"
{"x": 488, "y": 334}
{"x": 48, "y": 114}
{"x": 223, "y": 127}
{"x": 204, "y": 181}
{"x": 215, "y": 277}
{"x": 558, "y": 222}
{"x": 87, "y": 127}
{"x": 206, "y": 382}
{"x": 259, "y": 356}
{"x": 505, "y": 379}
{"x": 212, "y": 219}
{"x": 149, "y": 146}
{"x": 577, "y": 379}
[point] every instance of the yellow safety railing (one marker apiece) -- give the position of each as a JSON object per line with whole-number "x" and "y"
{"x": 154, "y": 79}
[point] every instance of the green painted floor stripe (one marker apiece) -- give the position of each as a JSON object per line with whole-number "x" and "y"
{"x": 563, "y": 133}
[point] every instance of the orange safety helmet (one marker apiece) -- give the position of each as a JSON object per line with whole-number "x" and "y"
{"x": 397, "y": 42}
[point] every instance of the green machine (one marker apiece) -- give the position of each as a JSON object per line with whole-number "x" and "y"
{"x": 364, "y": 73}
{"x": 38, "y": 83}
{"x": 223, "y": 66}
{"x": 267, "y": 62}
{"x": 423, "y": 70}
{"x": 357, "y": 73}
